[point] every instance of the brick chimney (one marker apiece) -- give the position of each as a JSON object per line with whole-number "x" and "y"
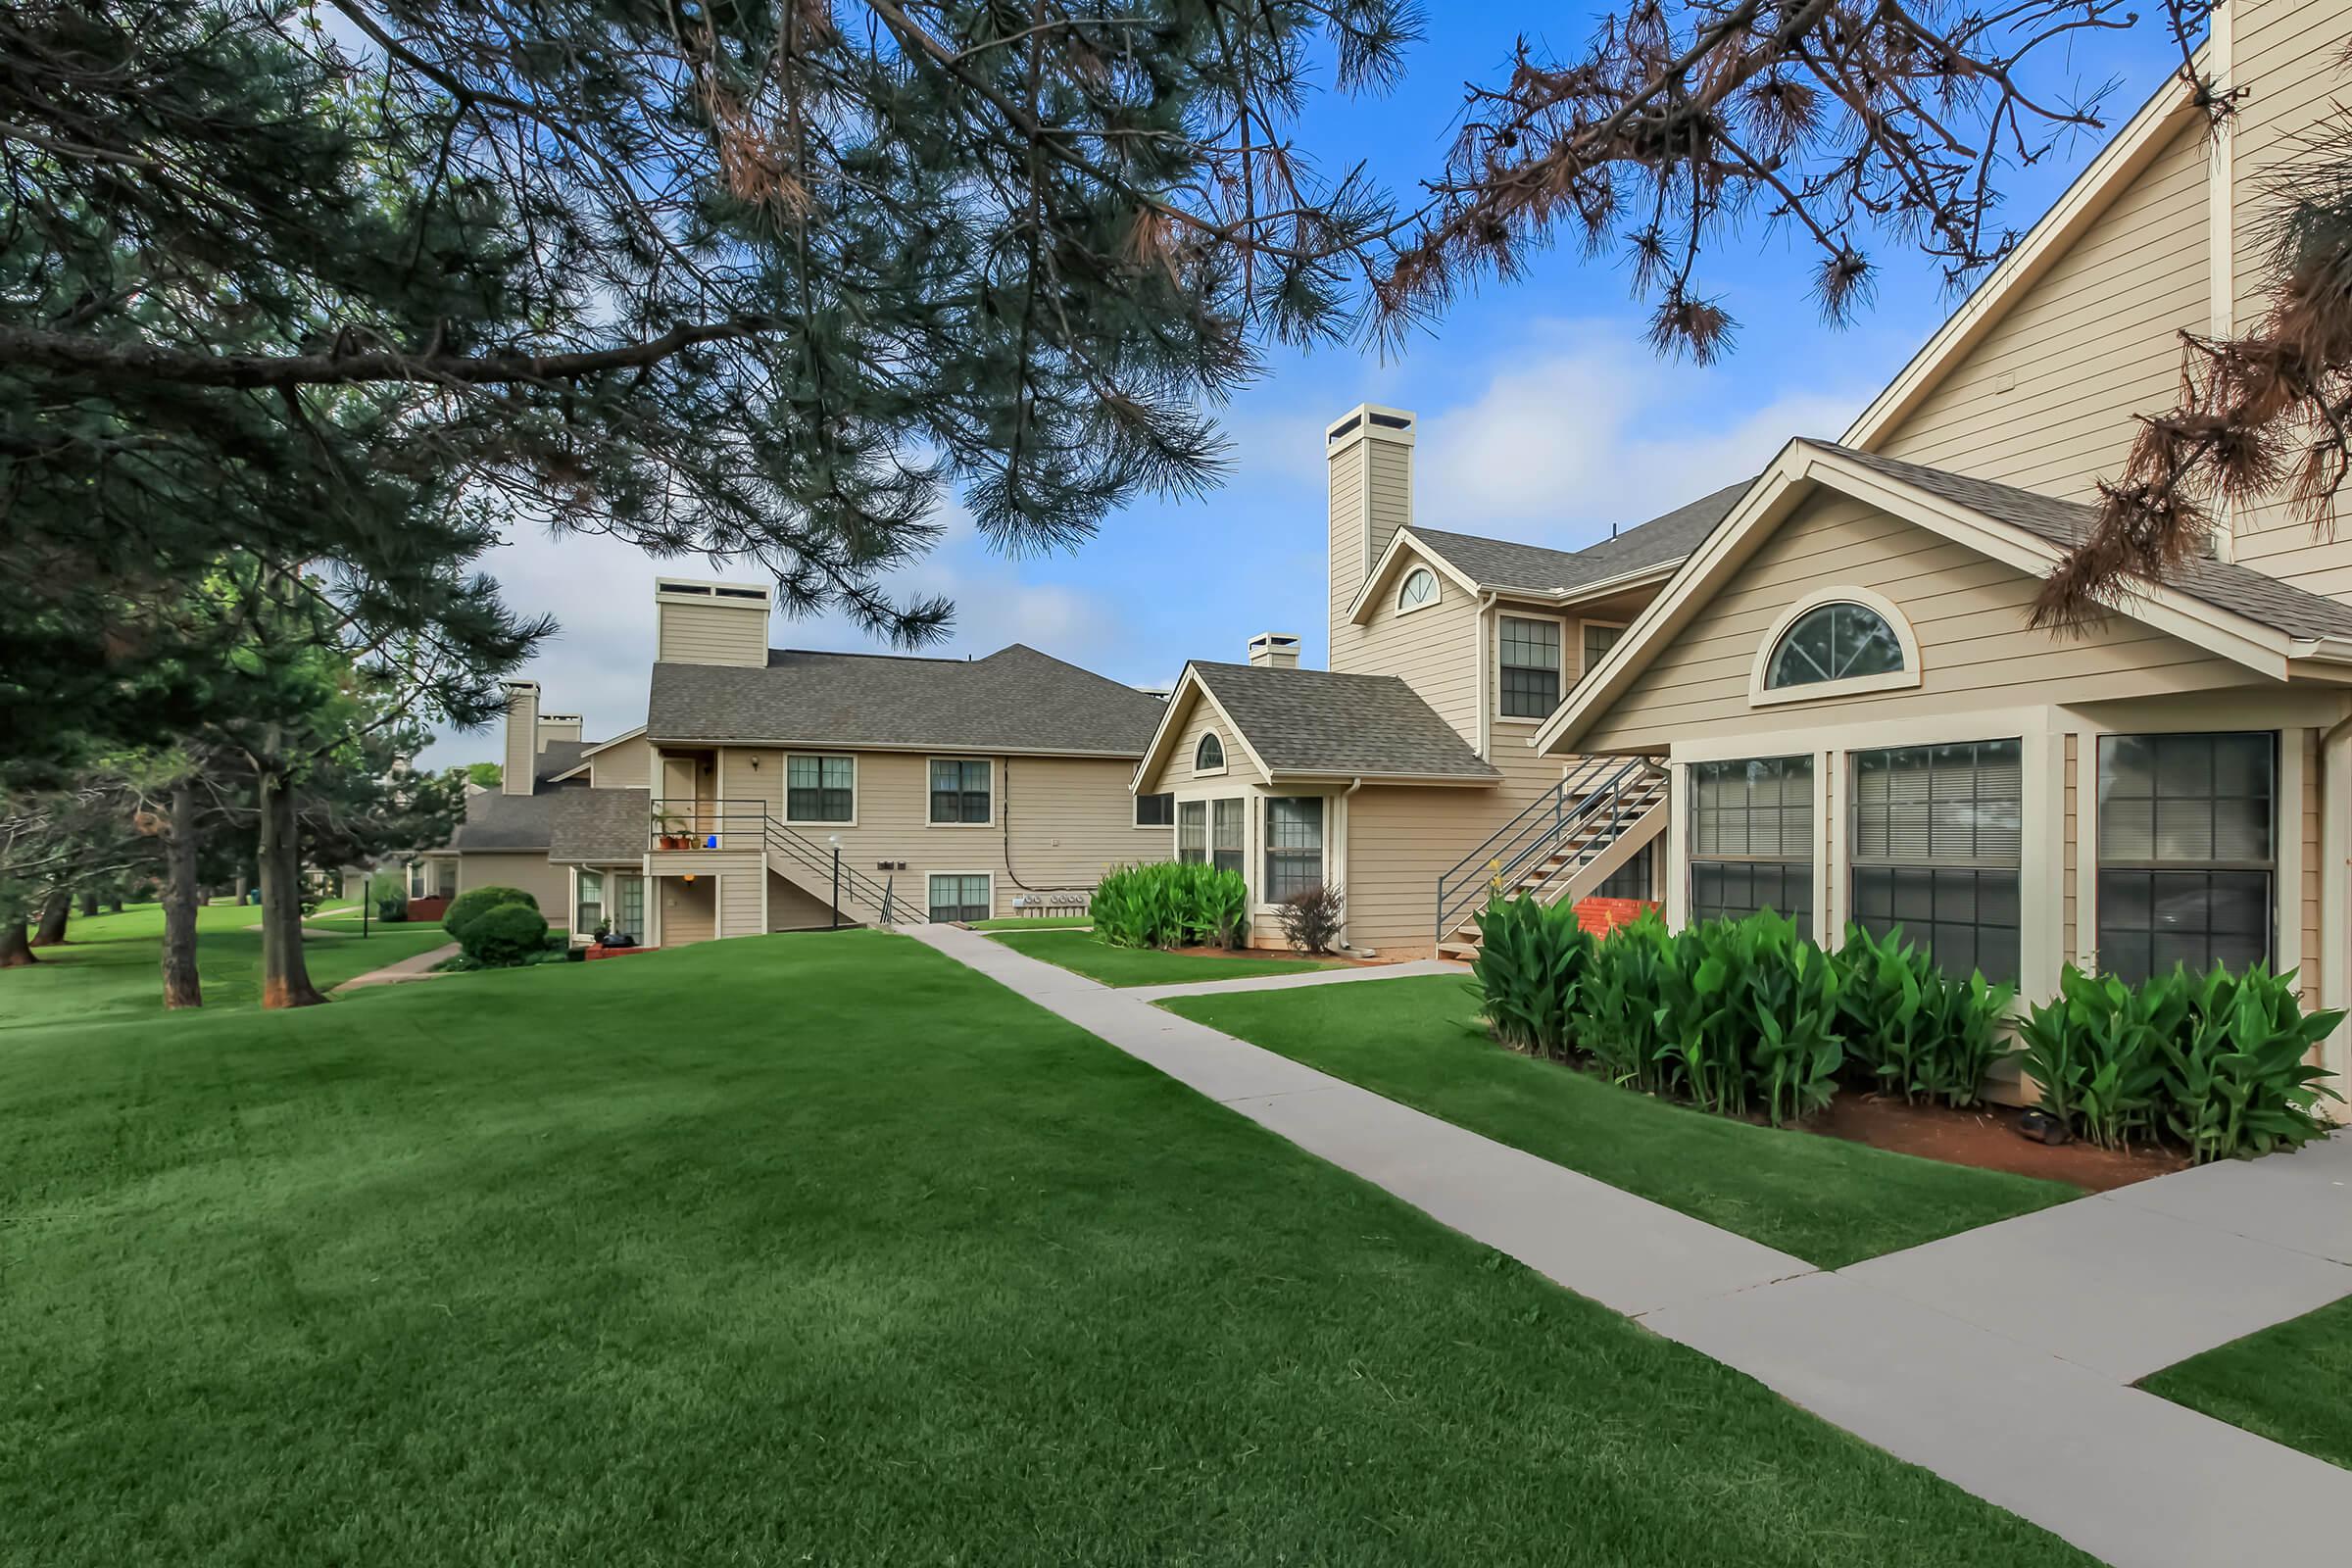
{"x": 522, "y": 738}
{"x": 1274, "y": 650}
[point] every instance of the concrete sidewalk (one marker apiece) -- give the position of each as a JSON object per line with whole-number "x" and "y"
{"x": 2000, "y": 1360}
{"x": 417, "y": 967}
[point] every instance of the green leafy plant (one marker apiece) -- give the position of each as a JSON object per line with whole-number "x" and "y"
{"x": 2095, "y": 1052}
{"x": 1910, "y": 1029}
{"x": 505, "y": 935}
{"x": 392, "y": 905}
{"x": 471, "y": 905}
{"x": 2238, "y": 1079}
{"x": 1171, "y": 904}
{"x": 1531, "y": 965}
{"x": 1620, "y": 1024}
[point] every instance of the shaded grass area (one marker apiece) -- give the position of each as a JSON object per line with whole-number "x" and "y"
{"x": 1042, "y": 922}
{"x": 2290, "y": 1383}
{"x": 822, "y": 1249}
{"x": 1083, "y": 952}
{"x": 1420, "y": 1041}
{"x": 108, "y": 970}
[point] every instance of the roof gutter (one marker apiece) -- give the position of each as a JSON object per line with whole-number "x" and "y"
{"x": 2329, "y": 650}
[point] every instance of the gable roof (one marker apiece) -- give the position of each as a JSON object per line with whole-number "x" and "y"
{"x": 1316, "y": 722}
{"x": 2144, "y": 137}
{"x": 1505, "y": 566}
{"x": 496, "y": 821}
{"x": 599, "y": 824}
{"x": 2229, "y": 610}
{"x": 1015, "y": 699}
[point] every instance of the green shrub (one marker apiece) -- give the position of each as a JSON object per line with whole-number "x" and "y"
{"x": 1171, "y": 904}
{"x": 505, "y": 935}
{"x": 1912, "y": 1030}
{"x": 1531, "y": 965}
{"x": 1620, "y": 1024}
{"x": 470, "y": 906}
{"x": 2219, "y": 1061}
{"x": 392, "y": 907}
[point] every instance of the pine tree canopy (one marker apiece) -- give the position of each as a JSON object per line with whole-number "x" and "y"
{"x": 352, "y": 285}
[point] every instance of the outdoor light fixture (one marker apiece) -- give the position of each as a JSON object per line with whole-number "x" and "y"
{"x": 688, "y": 878}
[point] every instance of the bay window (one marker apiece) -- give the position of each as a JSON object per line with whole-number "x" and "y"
{"x": 1751, "y": 838}
{"x": 1937, "y": 837}
{"x": 2187, "y": 854}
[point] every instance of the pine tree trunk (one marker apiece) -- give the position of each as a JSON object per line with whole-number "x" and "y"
{"x": 115, "y": 906}
{"x": 54, "y": 910}
{"x": 16, "y": 948}
{"x": 89, "y": 904}
{"x": 285, "y": 976}
{"x": 181, "y": 987}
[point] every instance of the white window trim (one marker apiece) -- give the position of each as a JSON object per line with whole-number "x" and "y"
{"x": 1854, "y": 685}
{"x": 948, "y": 827}
{"x": 929, "y": 876}
{"x": 1437, "y": 590}
{"x": 1566, "y": 623}
{"x": 1617, "y": 627}
{"x": 850, "y": 757}
{"x": 1137, "y": 800}
{"x": 1223, "y": 751}
{"x": 1253, "y": 857}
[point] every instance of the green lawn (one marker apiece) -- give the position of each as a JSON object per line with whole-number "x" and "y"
{"x": 107, "y": 970}
{"x": 1420, "y": 1040}
{"x": 812, "y": 1248}
{"x": 1042, "y": 922}
{"x": 1082, "y": 952}
{"x": 2291, "y": 1383}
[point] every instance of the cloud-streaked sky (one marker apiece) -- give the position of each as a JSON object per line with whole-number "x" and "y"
{"x": 1544, "y": 416}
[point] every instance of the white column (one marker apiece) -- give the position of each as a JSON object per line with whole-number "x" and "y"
{"x": 2087, "y": 851}
{"x": 2287, "y": 887}
{"x": 1828, "y": 851}
{"x": 1678, "y": 846}
{"x": 2335, "y": 905}
{"x": 2042, "y": 868}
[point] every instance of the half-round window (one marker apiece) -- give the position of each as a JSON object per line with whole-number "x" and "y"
{"x": 1420, "y": 588}
{"x": 1209, "y": 756}
{"x": 1839, "y": 641}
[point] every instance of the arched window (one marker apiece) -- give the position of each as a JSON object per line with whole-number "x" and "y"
{"x": 1420, "y": 588}
{"x": 1209, "y": 757}
{"x": 1837, "y": 641}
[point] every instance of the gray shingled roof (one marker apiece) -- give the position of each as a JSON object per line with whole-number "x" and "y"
{"x": 599, "y": 824}
{"x": 560, "y": 757}
{"x": 1662, "y": 541}
{"x": 1015, "y": 699}
{"x": 2240, "y": 590}
{"x": 1315, "y": 721}
{"x": 496, "y": 821}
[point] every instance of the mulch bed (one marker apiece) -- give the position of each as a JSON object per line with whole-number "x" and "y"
{"x": 1292, "y": 953}
{"x": 1988, "y": 1140}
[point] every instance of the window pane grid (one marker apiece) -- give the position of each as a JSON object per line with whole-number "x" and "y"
{"x": 1530, "y": 667}
{"x": 959, "y": 791}
{"x": 1293, "y": 844}
{"x": 1751, "y": 838}
{"x": 2185, "y": 851}
{"x": 959, "y": 898}
{"x": 819, "y": 789}
{"x": 1154, "y": 810}
{"x": 1634, "y": 879}
{"x": 1228, "y": 844}
{"x": 1840, "y": 641}
{"x": 1209, "y": 754}
{"x": 1598, "y": 640}
{"x": 1192, "y": 831}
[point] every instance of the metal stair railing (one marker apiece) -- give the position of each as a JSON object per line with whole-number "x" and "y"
{"x": 819, "y": 860}
{"x": 1535, "y": 834}
{"x": 745, "y": 825}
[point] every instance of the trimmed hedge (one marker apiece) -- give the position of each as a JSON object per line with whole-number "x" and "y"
{"x": 505, "y": 935}
{"x": 470, "y": 906}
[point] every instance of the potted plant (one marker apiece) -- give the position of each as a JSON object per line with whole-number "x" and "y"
{"x": 670, "y": 828}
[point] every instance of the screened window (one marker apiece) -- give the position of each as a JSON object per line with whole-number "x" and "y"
{"x": 628, "y": 906}
{"x": 819, "y": 789}
{"x": 1420, "y": 588}
{"x": 1751, "y": 838}
{"x": 1209, "y": 756}
{"x": 1530, "y": 667}
{"x": 1598, "y": 640}
{"x": 1293, "y": 844}
{"x": 1637, "y": 878}
{"x": 1192, "y": 831}
{"x": 959, "y": 898}
{"x": 959, "y": 790}
{"x": 1229, "y": 845}
{"x": 2185, "y": 851}
{"x": 1937, "y": 836}
{"x": 590, "y": 912}
{"x": 1836, "y": 642}
{"x": 416, "y": 879}
{"x": 1154, "y": 810}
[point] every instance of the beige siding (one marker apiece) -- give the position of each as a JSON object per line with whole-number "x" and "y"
{"x": 710, "y": 635}
{"x": 626, "y": 766}
{"x": 2308, "y": 824}
{"x": 1059, "y": 823}
{"x": 741, "y": 912}
{"x": 2046, "y": 399}
{"x": 1177, "y": 771}
{"x": 1433, "y": 649}
{"x": 790, "y": 908}
{"x": 2071, "y": 942}
{"x": 1968, "y": 613}
{"x": 520, "y": 752}
{"x": 688, "y": 909}
{"x": 1343, "y": 548}
{"x": 549, "y": 884}
{"x": 1400, "y": 840}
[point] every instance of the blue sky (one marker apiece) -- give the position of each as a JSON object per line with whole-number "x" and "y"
{"x": 1544, "y": 416}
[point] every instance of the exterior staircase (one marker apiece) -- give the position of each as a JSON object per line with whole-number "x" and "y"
{"x": 724, "y": 835}
{"x": 1563, "y": 846}
{"x": 818, "y": 870}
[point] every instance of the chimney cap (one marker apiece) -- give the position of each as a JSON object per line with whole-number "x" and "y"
{"x": 522, "y": 685}
{"x": 1367, "y": 420}
{"x": 745, "y": 594}
{"x": 1274, "y": 639}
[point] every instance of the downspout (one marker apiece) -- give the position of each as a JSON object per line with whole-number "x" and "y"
{"x": 1346, "y": 847}
{"x": 1485, "y": 728}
